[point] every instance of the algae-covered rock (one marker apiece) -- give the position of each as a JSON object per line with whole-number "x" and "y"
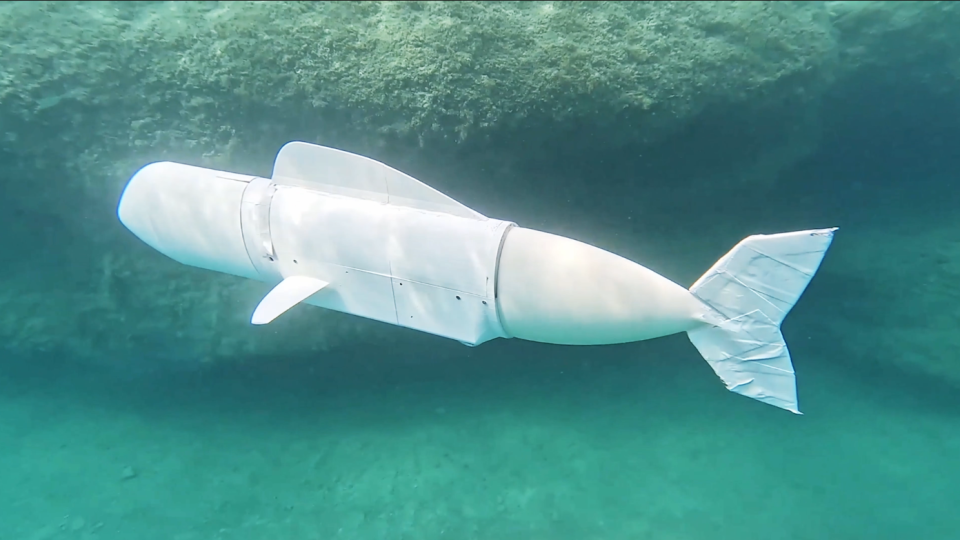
{"x": 911, "y": 42}
{"x": 903, "y": 313}
{"x": 140, "y": 81}
{"x": 90, "y": 91}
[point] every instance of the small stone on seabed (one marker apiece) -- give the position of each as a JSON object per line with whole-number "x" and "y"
{"x": 128, "y": 473}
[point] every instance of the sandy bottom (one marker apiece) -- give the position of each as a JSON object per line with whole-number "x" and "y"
{"x": 507, "y": 441}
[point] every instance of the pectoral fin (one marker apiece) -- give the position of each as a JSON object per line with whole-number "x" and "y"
{"x": 288, "y": 293}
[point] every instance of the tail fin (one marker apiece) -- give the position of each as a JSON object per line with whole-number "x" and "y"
{"x": 751, "y": 289}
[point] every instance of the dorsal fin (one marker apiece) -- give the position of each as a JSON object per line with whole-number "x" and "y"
{"x": 335, "y": 171}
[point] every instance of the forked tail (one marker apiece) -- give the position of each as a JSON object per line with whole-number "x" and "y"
{"x": 751, "y": 289}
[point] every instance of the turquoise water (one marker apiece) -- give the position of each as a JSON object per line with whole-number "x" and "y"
{"x": 429, "y": 439}
{"x": 520, "y": 441}
{"x": 137, "y": 403}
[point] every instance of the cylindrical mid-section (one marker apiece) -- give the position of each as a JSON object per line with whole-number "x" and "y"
{"x": 190, "y": 214}
{"x": 553, "y": 289}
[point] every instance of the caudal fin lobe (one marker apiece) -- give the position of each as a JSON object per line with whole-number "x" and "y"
{"x": 751, "y": 289}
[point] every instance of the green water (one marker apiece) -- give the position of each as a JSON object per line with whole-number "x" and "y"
{"x": 523, "y": 441}
{"x": 137, "y": 403}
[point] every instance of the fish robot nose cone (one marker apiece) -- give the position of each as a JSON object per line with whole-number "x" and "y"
{"x": 189, "y": 214}
{"x": 554, "y": 289}
{"x": 133, "y": 209}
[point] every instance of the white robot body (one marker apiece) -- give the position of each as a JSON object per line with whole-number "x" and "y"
{"x": 347, "y": 233}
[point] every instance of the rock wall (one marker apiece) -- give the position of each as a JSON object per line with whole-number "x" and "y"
{"x": 90, "y": 91}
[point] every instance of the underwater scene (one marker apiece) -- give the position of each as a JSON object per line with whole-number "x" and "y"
{"x": 480, "y": 270}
